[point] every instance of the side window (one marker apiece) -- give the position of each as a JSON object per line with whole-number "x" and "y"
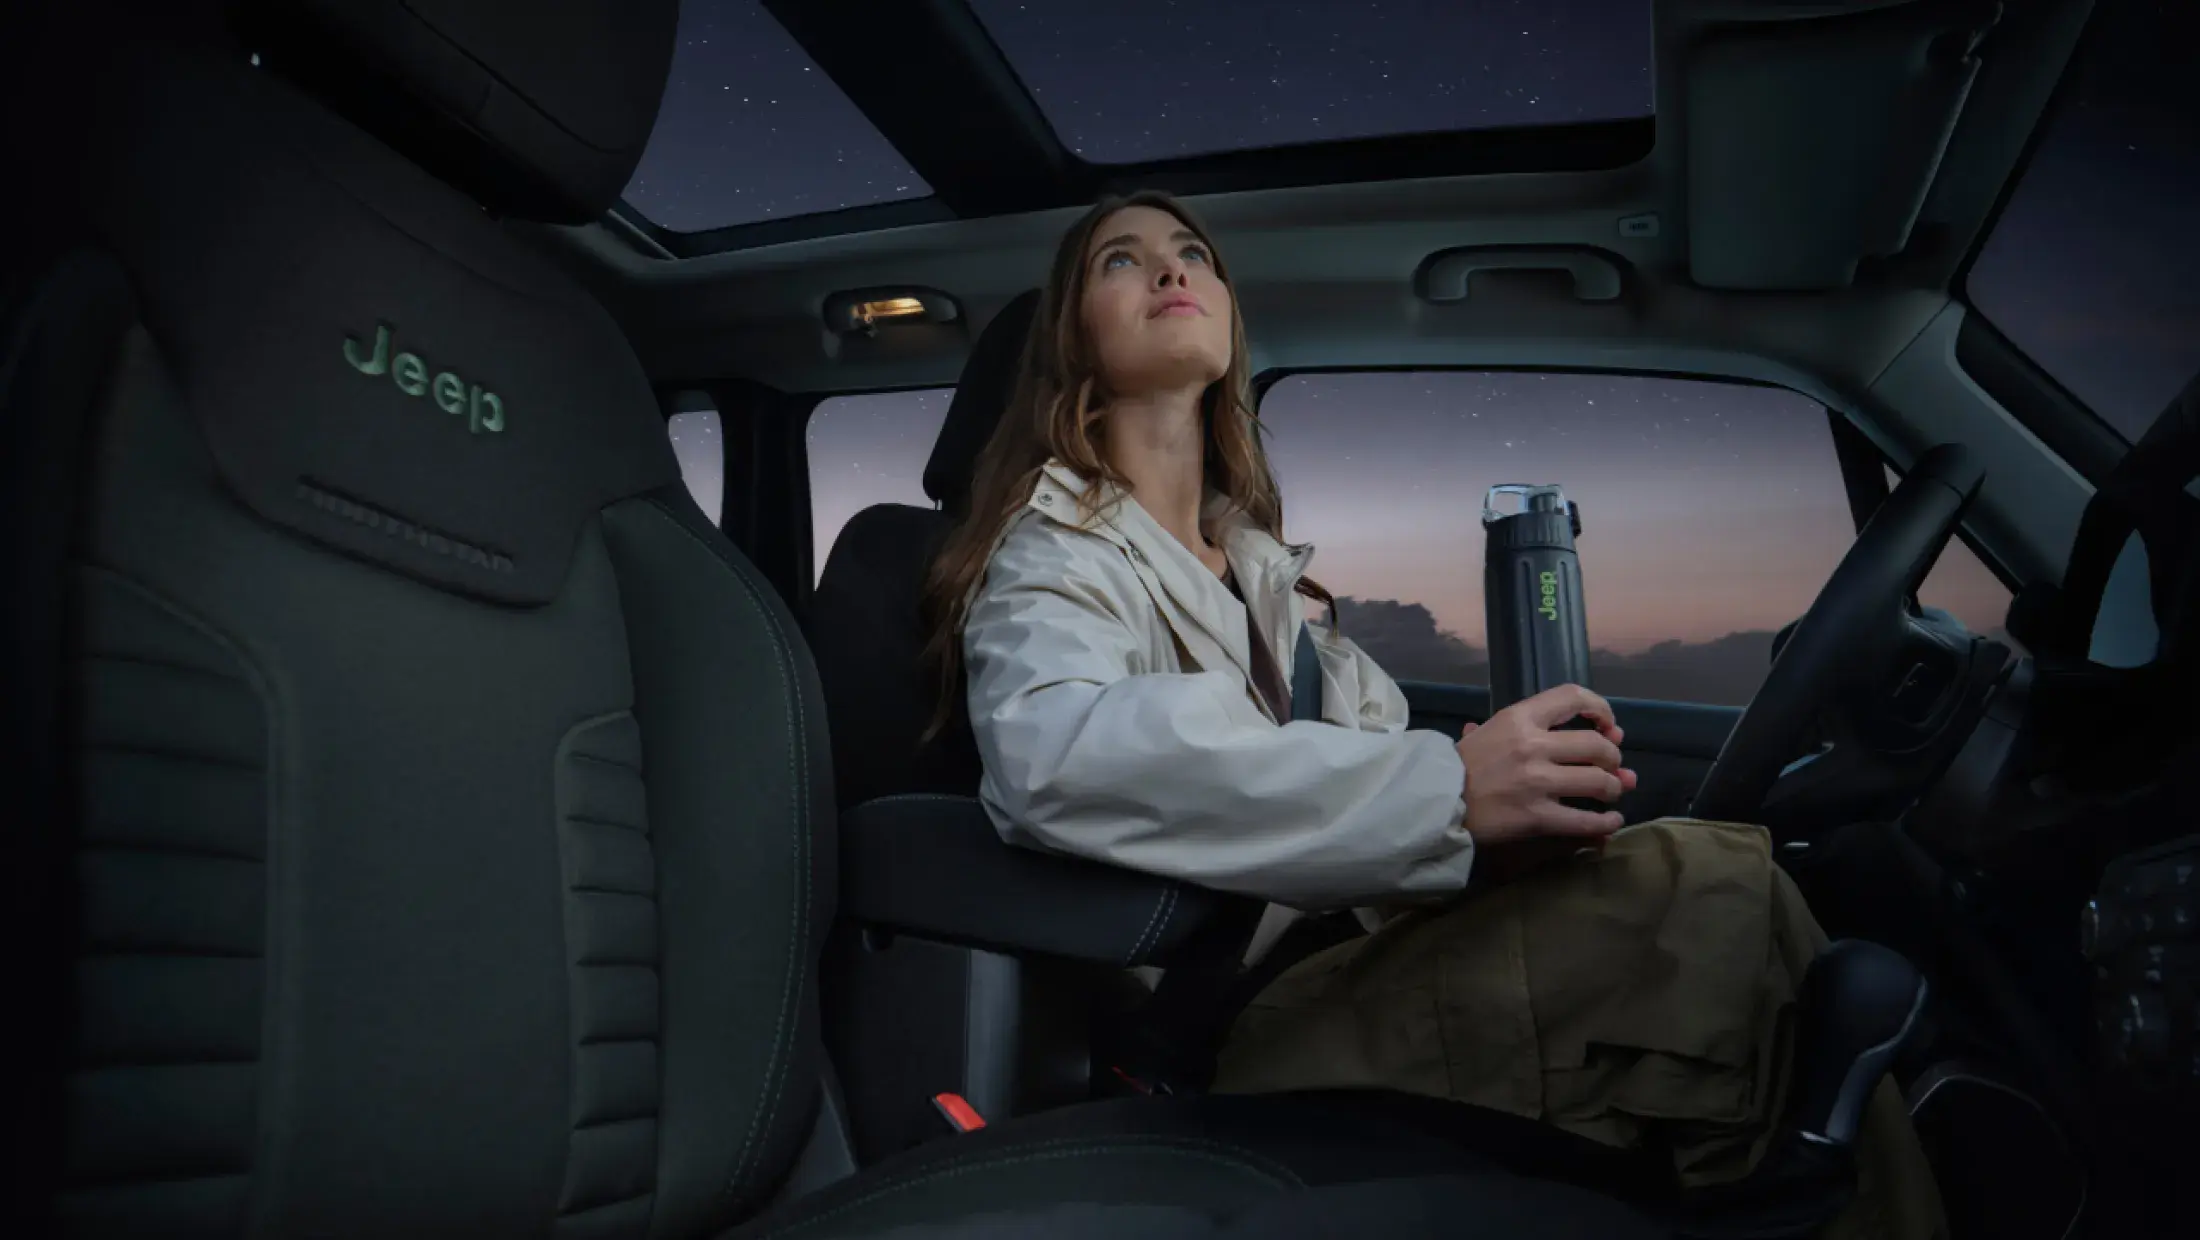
{"x": 1963, "y": 586}
{"x": 1711, "y": 514}
{"x": 2093, "y": 269}
{"x": 700, "y": 444}
{"x": 869, "y": 449}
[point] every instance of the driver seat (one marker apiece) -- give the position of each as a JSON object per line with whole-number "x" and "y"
{"x": 424, "y": 813}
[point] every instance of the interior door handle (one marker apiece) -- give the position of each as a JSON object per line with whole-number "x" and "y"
{"x": 1448, "y": 274}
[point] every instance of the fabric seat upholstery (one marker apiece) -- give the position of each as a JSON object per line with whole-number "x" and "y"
{"x": 425, "y": 810}
{"x": 404, "y": 847}
{"x": 864, "y": 622}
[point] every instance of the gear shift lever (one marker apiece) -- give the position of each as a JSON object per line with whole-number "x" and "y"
{"x": 1859, "y": 1002}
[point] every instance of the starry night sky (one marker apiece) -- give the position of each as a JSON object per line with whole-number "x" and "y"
{"x": 1708, "y": 508}
{"x": 1210, "y": 76}
{"x": 751, "y": 129}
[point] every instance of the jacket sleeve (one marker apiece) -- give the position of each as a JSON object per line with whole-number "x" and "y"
{"x": 1088, "y": 753}
{"x": 1381, "y": 703}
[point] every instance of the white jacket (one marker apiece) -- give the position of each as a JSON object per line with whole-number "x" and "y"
{"x": 1109, "y": 682}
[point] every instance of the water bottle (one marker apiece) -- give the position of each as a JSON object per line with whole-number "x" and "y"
{"x": 1531, "y": 594}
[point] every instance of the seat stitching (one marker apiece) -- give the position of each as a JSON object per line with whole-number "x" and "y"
{"x": 1157, "y": 922}
{"x": 1164, "y": 906}
{"x": 1064, "y": 1147}
{"x": 1168, "y": 919}
{"x": 1168, "y": 898}
{"x": 1153, "y": 920}
{"x": 278, "y": 1071}
{"x": 761, "y": 1118}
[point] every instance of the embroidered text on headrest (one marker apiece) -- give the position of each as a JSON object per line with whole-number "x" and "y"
{"x": 404, "y": 531}
{"x": 483, "y": 409}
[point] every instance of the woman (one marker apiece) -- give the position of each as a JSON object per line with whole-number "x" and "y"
{"x": 1123, "y": 605}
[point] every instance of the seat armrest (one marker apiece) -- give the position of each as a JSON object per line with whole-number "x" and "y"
{"x": 934, "y": 867}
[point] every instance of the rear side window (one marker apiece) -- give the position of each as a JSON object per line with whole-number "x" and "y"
{"x": 699, "y": 443}
{"x": 869, "y": 449}
{"x": 2093, "y": 269}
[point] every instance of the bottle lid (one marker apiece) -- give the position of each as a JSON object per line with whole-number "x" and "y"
{"x": 1534, "y": 497}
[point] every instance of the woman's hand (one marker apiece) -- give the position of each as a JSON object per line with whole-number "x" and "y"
{"x": 1519, "y": 767}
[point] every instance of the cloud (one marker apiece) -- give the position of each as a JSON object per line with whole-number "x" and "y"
{"x": 1406, "y": 641}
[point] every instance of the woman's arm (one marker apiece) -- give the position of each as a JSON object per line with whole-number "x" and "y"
{"x": 1380, "y": 705}
{"x": 1168, "y": 773}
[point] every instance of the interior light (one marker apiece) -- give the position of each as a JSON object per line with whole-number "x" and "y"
{"x": 888, "y": 308}
{"x": 868, "y": 311}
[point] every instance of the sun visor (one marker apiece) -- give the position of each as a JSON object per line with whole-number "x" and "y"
{"x": 1812, "y": 142}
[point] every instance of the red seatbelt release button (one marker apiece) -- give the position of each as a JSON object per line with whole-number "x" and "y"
{"x": 1136, "y": 1083}
{"x": 957, "y": 1112}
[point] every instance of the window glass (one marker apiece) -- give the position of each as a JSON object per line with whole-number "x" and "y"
{"x": 1711, "y": 514}
{"x": 700, "y": 444}
{"x": 751, "y": 129}
{"x": 1961, "y": 585}
{"x": 869, "y": 449}
{"x": 2093, "y": 268}
{"x": 1133, "y": 80}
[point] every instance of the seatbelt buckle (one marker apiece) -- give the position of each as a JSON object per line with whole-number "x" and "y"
{"x": 1140, "y": 1084}
{"x": 958, "y": 1112}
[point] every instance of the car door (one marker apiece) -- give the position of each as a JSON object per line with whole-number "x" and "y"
{"x": 1712, "y": 512}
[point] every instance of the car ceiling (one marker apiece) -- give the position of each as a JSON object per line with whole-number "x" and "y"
{"x": 1819, "y": 175}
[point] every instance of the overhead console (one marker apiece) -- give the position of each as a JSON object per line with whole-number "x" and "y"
{"x": 1814, "y": 134}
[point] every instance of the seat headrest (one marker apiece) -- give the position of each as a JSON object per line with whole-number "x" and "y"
{"x": 981, "y": 395}
{"x": 373, "y": 362}
{"x": 538, "y": 111}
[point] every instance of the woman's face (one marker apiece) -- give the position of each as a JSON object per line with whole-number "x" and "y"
{"x": 1157, "y": 314}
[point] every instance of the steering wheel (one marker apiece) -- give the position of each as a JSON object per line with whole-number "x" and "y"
{"x": 1852, "y": 630}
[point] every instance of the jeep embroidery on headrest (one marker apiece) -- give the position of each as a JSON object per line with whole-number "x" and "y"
{"x": 483, "y": 409}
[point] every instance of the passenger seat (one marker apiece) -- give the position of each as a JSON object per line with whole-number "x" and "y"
{"x": 864, "y": 622}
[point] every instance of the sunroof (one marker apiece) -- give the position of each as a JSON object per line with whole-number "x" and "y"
{"x": 751, "y": 129}
{"x": 1126, "y": 81}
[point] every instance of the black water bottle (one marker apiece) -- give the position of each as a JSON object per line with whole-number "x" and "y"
{"x": 1531, "y": 594}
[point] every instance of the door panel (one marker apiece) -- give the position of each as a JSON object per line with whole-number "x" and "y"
{"x": 1670, "y": 745}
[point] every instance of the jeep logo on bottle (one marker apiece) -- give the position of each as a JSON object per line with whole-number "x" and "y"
{"x": 483, "y": 409}
{"x": 1548, "y": 608}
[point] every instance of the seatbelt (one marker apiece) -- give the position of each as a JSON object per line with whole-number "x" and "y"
{"x": 1174, "y": 1039}
{"x": 1306, "y": 679}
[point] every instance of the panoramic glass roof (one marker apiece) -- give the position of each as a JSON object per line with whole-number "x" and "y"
{"x": 2092, "y": 269}
{"x": 1127, "y": 81}
{"x": 751, "y": 130}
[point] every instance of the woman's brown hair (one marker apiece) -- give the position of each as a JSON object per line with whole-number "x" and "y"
{"x": 1054, "y": 413}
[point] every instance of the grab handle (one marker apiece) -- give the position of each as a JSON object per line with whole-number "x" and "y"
{"x": 1447, "y": 275}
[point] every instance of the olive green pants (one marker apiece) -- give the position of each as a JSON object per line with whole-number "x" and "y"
{"x": 1643, "y": 991}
